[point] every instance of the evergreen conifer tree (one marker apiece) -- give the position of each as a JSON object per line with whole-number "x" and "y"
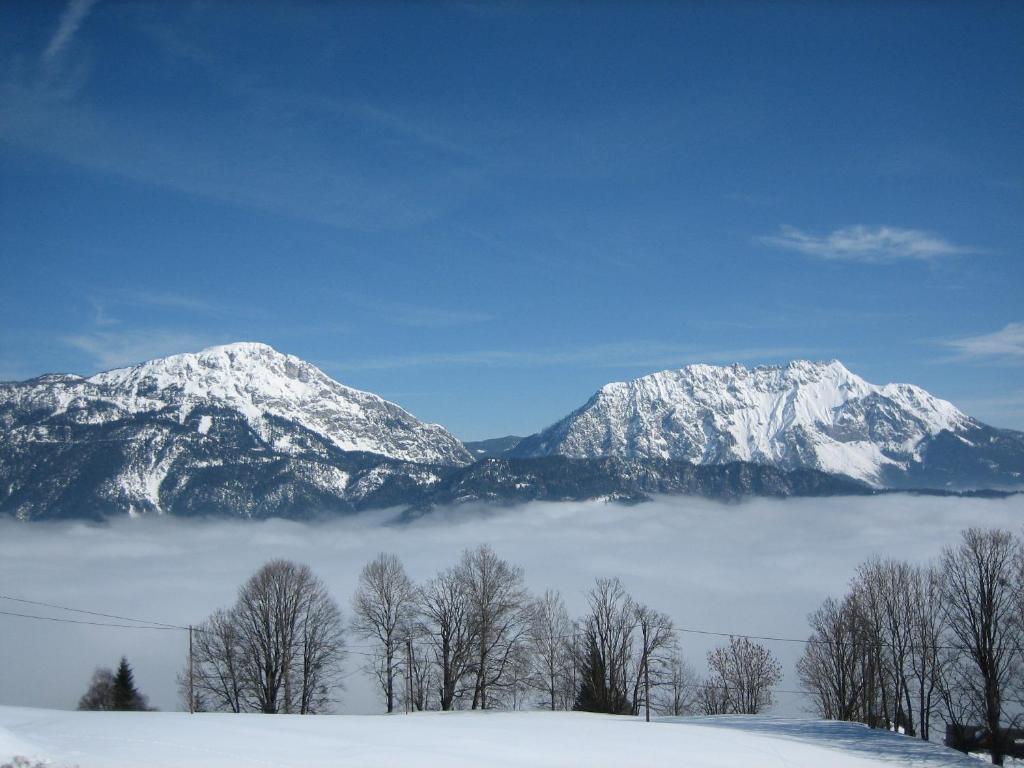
{"x": 124, "y": 695}
{"x": 597, "y": 693}
{"x": 591, "y": 695}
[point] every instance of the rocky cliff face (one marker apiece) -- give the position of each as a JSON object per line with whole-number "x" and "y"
{"x": 803, "y": 415}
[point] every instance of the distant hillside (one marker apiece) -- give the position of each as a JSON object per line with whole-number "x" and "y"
{"x": 494, "y": 448}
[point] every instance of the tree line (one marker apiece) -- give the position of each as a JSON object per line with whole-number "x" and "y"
{"x": 909, "y": 643}
{"x": 906, "y": 644}
{"x": 470, "y": 637}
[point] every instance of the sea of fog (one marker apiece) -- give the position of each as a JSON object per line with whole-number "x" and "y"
{"x": 756, "y": 567}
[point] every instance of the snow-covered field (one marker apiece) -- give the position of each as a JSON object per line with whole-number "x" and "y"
{"x": 138, "y": 740}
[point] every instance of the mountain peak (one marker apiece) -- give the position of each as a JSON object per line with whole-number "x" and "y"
{"x": 833, "y": 366}
{"x": 263, "y": 385}
{"x": 220, "y": 355}
{"x": 241, "y": 348}
{"x": 802, "y": 414}
{"x": 796, "y": 373}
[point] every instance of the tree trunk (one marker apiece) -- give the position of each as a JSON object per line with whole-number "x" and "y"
{"x": 390, "y": 672}
{"x": 647, "y": 690}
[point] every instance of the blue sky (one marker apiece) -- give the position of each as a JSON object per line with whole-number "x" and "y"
{"x": 486, "y": 211}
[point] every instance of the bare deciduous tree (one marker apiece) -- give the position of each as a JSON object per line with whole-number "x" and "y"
{"x": 888, "y": 586}
{"x": 678, "y": 691}
{"x": 832, "y": 668}
{"x": 713, "y": 699}
{"x": 744, "y": 673}
{"x": 499, "y": 615}
{"x": 217, "y": 665}
{"x": 926, "y": 652}
{"x": 445, "y": 624}
{"x": 99, "y": 696}
{"x": 423, "y": 675}
{"x": 655, "y": 636}
{"x": 320, "y": 637}
{"x": 518, "y": 680}
{"x": 550, "y": 633}
{"x": 1019, "y": 623}
{"x": 383, "y": 608}
{"x": 980, "y": 611}
{"x": 279, "y": 649}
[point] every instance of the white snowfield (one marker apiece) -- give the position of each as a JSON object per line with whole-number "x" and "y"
{"x": 451, "y": 740}
{"x": 804, "y": 414}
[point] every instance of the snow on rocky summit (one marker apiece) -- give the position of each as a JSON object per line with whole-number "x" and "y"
{"x": 260, "y": 383}
{"x": 801, "y": 415}
{"x": 243, "y": 430}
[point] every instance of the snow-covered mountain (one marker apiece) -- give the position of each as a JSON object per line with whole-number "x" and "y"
{"x": 267, "y": 423}
{"x": 255, "y": 381}
{"x": 801, "y": 415}
{"x": 242, "y": 430}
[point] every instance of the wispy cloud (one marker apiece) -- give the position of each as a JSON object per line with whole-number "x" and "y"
{"x": 105, "y": 306}
{"x": 109, "y": 304}
{"x": 72, "y": 18}
{"x": 176, "y": 301}
{"x": 111, "y": 349}
{"x": 1004, "y": 345}
{"x": 316, "y": 159}
{"x": 100, "y": 315}
{"x": 640, "y": 354}
{"x": 866, "y": 244}
{"x": 336, "y": 187}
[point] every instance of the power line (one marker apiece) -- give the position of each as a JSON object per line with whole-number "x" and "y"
{"x": 142, "y": 623}
{"x": 911, "y": 647}
{"x": 91, "y": 613}
{"x": 81, "y": 621}
{"x": 766, "y": 638}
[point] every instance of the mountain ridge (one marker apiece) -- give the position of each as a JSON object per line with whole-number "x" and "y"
{"x": 244, "y": 430}
{"x": 258, "y": 381}
{"x": 799, "y": 415}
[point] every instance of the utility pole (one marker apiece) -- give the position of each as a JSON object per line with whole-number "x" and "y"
{"x": 191, "y": 679}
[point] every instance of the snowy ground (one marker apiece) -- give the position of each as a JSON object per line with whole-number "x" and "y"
{"x": 140, "y": 740}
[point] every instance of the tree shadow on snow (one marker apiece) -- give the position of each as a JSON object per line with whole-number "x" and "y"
{"x": 853, "y": 738}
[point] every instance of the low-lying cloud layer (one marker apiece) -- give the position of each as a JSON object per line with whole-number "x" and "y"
{"x": 757, "y": 567}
